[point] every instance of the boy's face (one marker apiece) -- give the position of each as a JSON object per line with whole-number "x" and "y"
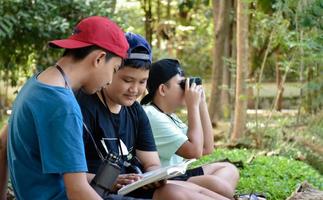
{"x": 103, "y": 74}
{"x": 127, "y": 85}
{"x": 174, "y": 93}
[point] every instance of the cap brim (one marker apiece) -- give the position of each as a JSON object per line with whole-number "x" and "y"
{"x": 138, "y": 56}
{"x": 68, "y": 44}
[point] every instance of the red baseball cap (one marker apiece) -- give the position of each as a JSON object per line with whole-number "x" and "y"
{"x": 99, "y": 31}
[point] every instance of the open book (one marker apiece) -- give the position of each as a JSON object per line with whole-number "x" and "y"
{"x": 157, "y": 175}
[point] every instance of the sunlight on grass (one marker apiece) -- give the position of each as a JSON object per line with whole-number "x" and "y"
{"x": 275, "y": 176}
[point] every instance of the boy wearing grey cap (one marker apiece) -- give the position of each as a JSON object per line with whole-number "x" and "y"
{"x": 120, "y": 128}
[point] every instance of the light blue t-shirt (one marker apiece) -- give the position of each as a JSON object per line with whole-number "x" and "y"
{"x": 44, "y": 141}
{"x": 169, "y": 134}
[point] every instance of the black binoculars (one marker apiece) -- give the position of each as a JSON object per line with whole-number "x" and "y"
{"x": 196, "y": 80}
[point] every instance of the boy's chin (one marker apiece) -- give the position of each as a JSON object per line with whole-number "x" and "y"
{"x": 128, "y": 102}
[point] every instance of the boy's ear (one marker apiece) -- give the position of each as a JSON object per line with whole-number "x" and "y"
{"x": 99, "y": 58}
{"x": 161, "y": 89}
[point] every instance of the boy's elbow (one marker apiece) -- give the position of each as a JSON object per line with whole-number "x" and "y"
{"x": 192, "y": 154}
{"x": 208, "y": 151}
{"x": 197, "y": 154}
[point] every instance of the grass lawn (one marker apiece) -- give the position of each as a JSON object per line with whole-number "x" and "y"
{"x": 275, "y": 176}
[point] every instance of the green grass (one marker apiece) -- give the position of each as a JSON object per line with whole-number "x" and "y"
{"x": 275, "y": 176}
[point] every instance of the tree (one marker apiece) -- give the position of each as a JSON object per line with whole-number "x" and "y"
{"x": 228, "y": 65}
{"x": 147, "y": 7}
{"x": 26, "y": 27}
{"x": 221, "y": 24}
{"x": 242, "y": 61}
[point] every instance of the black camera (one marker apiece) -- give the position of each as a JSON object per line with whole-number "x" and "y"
{"x": 196, "y": 80}
{"x": 133, "y": 166}
{"x": 106, "y": 175}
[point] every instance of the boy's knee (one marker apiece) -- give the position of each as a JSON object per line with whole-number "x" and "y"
{"x": 169, "y": 191}
{"x": 234, "y": 170}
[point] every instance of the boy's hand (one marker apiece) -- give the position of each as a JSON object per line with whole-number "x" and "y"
{"x": 192, "y": 94}
{"x": 125, "y": 179}
{"x": 203, "y": 99}
{"x": 153, "y": 185}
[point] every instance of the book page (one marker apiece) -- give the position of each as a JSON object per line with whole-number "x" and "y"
{"x": 157, "y": 175}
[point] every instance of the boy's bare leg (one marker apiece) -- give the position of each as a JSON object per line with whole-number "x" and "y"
{"x": 219, "y": 177}
{"x": 188, "y": 190}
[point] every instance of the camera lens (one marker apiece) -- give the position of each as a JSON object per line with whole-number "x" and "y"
{"x": 196, "y": 80}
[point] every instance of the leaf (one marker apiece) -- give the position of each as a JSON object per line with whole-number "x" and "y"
{"x": 5, "y": 29}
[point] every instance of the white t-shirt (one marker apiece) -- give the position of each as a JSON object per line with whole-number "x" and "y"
{"x": 169, "y": 134}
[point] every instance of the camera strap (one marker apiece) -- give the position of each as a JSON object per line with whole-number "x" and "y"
{"x": 127, "y": 160}
{"x": 176, "y": 122}
{"x": 117, "y": 132}
{"x": 67, "y": 85}
{"x": 96, "y": 147}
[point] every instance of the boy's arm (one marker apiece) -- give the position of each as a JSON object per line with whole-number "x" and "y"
{"x": 3, "y": 163}
{"x": 193, "y": 147}
{"x": 77, "y": 187}
{"x": 89, "y": 177}
{"x": 149, "y": 159}
{"x": 208, "y": 145}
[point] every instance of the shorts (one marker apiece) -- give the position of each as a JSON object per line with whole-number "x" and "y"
{"x": 142, "y": 193}
{"x": 121, "y": 197}
{"x": 189, "y": 173}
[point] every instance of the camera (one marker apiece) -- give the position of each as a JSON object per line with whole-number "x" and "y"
{"x": 196, "y": 80}
{"x": 106, "y": 175}
{"x": 134, "y": 166}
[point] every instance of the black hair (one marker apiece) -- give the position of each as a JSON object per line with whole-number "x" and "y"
{"x": 80, "y": 53}
{"x": 138, "y": 63}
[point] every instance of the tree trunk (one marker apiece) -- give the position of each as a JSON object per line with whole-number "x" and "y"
{"x": 2, "y": 98}
{"x": 233, "y": 65}
{"x": 309, "y": 101}
{"x": 158, "y": 21}
{"x": 168, "y": 9}
{"x": 226, "y": 82}
{"x": 279, "y": 85}
{"x": 146, "y": 5}
{"x": 225, "y": 92}
{"x": 220, "y": 17}
{"x": 242, "y": 62}
{"x": 319, "y": 71}
{"x": 305, "y": 192}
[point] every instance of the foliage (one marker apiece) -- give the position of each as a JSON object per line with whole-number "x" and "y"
{"x": 289, "y": 136}
{"x": 27, "y": 26}
{"x": 292, "y": 32}
{"x": 275, "y": 176}
{"x": 195, "y": 41}
{"x": 306, "y": 142}
{"x": 184, "y": 35}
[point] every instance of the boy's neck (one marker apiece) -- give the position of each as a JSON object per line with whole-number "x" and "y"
{"x": 112, "y": 106}
{"x": 52, "y": 76}
{"x": 161, "y": 104}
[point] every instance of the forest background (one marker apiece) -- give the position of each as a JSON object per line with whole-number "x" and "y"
{"x": 261, "y": 62}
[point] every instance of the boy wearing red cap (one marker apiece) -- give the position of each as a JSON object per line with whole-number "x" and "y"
{"x": 45, "y": 148}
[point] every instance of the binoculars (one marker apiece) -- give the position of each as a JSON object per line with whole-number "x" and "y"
{"x": 196, "y": 80}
